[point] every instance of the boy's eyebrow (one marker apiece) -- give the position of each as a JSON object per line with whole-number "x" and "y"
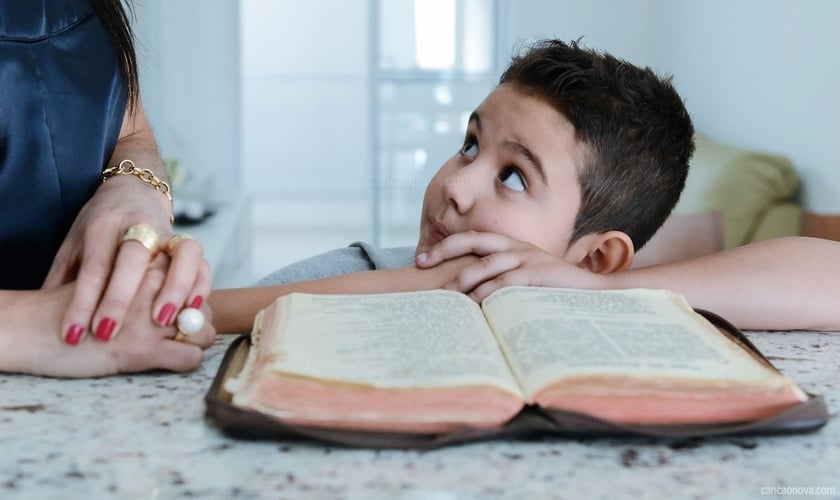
{"x": 516, "y": 148}
{"x": 519, "y": 149}
{"x": 475, "y": 118}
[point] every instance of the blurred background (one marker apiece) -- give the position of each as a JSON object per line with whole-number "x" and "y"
{"x": 307, "y": 125}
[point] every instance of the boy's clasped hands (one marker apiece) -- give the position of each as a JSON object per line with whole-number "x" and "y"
{"x": 503, "y": 261}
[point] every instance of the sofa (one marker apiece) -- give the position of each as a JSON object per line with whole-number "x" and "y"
{"x": 732, "y": 196}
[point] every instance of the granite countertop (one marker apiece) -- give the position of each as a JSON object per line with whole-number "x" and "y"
{"x": 145, "y": 436}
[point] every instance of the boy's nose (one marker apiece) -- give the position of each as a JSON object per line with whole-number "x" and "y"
{"x": 461, "y": 188}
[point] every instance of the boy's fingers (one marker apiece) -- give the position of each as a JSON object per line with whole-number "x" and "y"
{"x": 486, "y": 269}
{"x": 484, "y": 290}
{"x": 517, "y": 276}
{"x": 470, "y": 242}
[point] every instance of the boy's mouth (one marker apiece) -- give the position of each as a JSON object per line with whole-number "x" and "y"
{"x": 437, "y": 231}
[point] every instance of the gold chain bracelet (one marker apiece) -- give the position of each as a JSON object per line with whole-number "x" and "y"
{"x": 127, "y": 167}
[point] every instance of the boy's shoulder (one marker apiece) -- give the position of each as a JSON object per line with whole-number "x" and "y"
{"x": 357, "y": 257}
{"x": 386, "y": 258}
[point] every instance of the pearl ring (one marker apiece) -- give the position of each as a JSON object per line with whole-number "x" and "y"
{"x": 190, "y": 321}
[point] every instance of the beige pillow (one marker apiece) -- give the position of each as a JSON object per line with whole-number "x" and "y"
{"x": 740, "y": 184}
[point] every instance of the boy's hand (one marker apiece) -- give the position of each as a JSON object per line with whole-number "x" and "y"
{"x": 504, "y": 262}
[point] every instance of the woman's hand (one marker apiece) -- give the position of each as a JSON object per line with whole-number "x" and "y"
{"x": 108, "y": 271}
{"x": 31, "y": 344}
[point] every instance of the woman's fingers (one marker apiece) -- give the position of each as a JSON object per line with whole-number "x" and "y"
{"x": 64, "y": 265}
{"x": 130, "y": 266}
{"x": 92, "y": 279}
{"x": 188, "y": 279}
{"x": 144, "y": 345}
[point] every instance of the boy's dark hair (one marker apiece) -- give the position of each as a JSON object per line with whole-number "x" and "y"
{"x": 637, "y": 134}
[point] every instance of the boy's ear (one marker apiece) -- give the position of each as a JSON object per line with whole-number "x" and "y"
{"x": 602, "y": 253}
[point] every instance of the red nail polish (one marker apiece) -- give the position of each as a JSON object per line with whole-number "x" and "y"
{"x": 105, "y": 329}
{"x": 197, "y": 301}
{"x": 167, "y": 312}
{"x": 74, "y": 334}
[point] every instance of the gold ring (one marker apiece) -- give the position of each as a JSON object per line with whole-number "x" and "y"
{"x": 170, "y": 245}
{"x": 179, "y": 337}
{"x": 143, "y": 234}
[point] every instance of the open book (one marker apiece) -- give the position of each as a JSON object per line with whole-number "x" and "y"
{"x": 435, "y": 362}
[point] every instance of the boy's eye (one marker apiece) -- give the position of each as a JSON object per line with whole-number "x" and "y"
{"x": 512, "y": 179}
{"x": 470, "y": 148}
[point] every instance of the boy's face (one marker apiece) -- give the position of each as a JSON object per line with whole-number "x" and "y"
{"x": 515, "y": 175}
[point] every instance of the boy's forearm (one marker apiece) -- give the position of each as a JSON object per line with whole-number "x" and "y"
{"x": 780, "y": 284}
{"x": 234, "y": 309}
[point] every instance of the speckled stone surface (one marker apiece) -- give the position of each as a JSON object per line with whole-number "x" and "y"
{"x": 145, "y": 436}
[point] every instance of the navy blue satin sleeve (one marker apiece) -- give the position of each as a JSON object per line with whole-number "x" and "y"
{"x": 62, "y": 101}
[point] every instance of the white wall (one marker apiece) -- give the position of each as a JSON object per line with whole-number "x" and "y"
{"x": 756, "y": 73}
{"x": 763, "y": 74}
{"x": 305, "y": 100}
{"x": 188, "y": 53}
{"x": 305, "y": 106}
{"x": 621, "y": 27}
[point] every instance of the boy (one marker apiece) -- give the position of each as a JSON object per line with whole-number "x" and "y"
{"x": 567, "y": 167}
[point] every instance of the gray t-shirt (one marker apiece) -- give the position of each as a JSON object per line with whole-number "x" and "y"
{"x": 357, "y": 257}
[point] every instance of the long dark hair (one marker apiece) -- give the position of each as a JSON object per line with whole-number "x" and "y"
{"x": 116, "y": 20}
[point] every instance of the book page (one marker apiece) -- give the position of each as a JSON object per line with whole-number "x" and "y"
{"x": 404, "y": 340}
{"x": 551, "y": 333}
